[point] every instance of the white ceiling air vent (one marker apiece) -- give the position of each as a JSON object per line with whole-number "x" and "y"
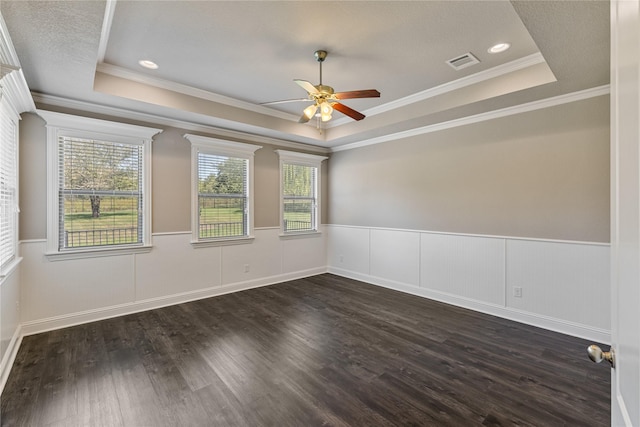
{"x": 463, "y": 61}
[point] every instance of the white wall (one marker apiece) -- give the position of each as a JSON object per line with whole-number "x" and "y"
{"x": 565, "y": 285}
{"x": 10, "y": 332}
{"x": 56, "y": 294}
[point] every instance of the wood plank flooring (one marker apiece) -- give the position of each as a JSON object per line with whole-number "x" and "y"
{"x": 319, "y": 351}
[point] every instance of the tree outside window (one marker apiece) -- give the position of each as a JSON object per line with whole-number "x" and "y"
{"x": 299, "y": 189}
{"x": 100, "y": 193}
{"x": 222, "y": 191}
{"x": 222, "y": 196}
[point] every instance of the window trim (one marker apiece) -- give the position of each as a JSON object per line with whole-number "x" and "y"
{"x": 221, "y": 147}
{"x": 301, "y": 159}
{"x": 8, "y": 113}
{"x": 59, "y": 124}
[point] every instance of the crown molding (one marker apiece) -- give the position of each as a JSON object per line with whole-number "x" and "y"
{"x": 8, "y": 54}
{"x": 109, "y": 10}
{"x": 167, "y": 121}
{"x": 13, "y": 86}
{"x": 14, "y": 89}
{"x": 225, "y": 133}
{"x": 491, "y": 73}
{"x": 127, "y": 74}
{"x": 489, "y": 115}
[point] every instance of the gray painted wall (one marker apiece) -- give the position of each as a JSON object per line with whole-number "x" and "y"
{"x": 540, "y": 174}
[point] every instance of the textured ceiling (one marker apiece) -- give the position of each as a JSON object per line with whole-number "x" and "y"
{"x": 220, "y": 60}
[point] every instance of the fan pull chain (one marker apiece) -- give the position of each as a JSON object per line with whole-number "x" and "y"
{"x": 318, "y": 127}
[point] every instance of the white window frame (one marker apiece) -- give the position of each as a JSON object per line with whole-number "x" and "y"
{"x": 61, "y": 125}
{"x": 11, "y": 116}
{"x": 219, "y": 147}
{"x": 301, "y": 159}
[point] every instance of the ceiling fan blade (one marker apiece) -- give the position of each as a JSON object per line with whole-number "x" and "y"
{"x": 306, "y": 86}
{"x": 365, "y": 93}
{"x": 287, "y": 100}
{"x": 355, "y": 115}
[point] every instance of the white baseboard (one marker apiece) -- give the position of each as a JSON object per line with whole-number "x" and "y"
{"x": 67, "y": 320}
{"x": 10, "y": 356}
{"x": 558, "y": 325}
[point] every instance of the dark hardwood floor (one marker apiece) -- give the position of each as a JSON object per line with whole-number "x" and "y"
{"x": 318, "y": 351}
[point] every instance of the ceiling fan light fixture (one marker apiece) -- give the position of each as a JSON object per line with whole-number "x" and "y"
{"x": 310, "y": 111}
{"x": 325, "y": 100}
{"x": 325, "y": 111}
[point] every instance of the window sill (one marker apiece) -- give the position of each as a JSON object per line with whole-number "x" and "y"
{"x": 95, "y": 253}
{"x": 222, "y": 242}
{"x": 300, "y": 234}
{"x": 10, "y": 268}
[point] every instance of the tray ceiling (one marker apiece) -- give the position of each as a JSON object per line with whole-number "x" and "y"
{"x": 219, "y": 60}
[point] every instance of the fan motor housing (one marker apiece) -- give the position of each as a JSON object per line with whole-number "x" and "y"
{"x": 325, "y": 90}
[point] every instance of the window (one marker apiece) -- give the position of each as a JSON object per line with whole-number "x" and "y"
{"x": 8, "y": 187}
{"x": 100, "y": 193}
{"x": 222, "y": 190}
{"x": 99, "y": 186}
{"x": 299, "y": 183}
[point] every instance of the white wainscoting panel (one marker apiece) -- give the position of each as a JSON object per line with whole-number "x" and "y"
{"x": 395, "y": 256}
{"x": 173, "y": 266}
{"x": 304, "y": 253}
{"x": 466, "y": 266}
{"x": 263, "y": 258}
{"x": 63, "y": 293}
{"x": 348, "y": 248}
{"x": 9, "y": 310}
{"x": 55, "y": 288}
{"x": 560, "y": 280}
{"x": 565, "y": 285}
{"x": 9, "y": 323}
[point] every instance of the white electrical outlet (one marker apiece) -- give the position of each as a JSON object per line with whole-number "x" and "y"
{"x": 246, "y": 268}
{"x": 341, "y": 258}
{"x": 517, "y": 292}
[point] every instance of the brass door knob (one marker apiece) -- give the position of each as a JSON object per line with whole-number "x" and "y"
{"x": 597, "y": 355}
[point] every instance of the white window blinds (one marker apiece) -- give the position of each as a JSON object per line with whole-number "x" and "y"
{"x": 8, "y": 188}
{"x": 100, "y": 197}
{"x": 222, "y": 196}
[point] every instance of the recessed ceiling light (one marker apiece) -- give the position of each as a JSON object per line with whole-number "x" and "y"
{"x": 500, "y": 47}
{"x": 148, "y": 64}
